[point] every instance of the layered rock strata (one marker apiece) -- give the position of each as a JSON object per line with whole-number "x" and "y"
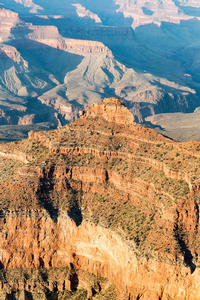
{"x": 102, "y": 208}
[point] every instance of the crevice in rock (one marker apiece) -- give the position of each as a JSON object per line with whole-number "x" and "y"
{"x": 74, "y": 211}
{"x": 28, "y": 296}
{"x": 197, "y": 214}
{"x": 74, "y": 281}
{"x": 188, "y": 257}
{"x": 93, "y": 292}
{"x": 2, "y": 215}
{"x": 41, "y": 262}
{"x": 107, "y": 176}
{"x": 51, "y": 295}
{"x": 43, "y": 194}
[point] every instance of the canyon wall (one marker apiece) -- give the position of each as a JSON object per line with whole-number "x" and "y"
{"x": 92, "y": 249}
{"x": 102, "y": 207}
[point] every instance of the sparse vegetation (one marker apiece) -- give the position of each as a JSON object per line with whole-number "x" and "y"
{"x": 128, "y": 179}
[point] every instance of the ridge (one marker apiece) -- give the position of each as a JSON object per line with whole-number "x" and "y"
{"x": 106, "y": 196}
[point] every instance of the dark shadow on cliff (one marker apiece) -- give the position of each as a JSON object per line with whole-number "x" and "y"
{"x": 74, "y": 211}
{"x": 44, "y": 192}
{"x": 173, "y": 104}
{"x": 74, "y": 281}
{"x": 48, "y": 60}
{"x": 188, "y": 257}
{"x": 51, "y": 295}
{"x": 28, "y": 296}
{"x": 2, "y": 214}
{"x": 148, "y": 124}
{"x": 10, "y": 296}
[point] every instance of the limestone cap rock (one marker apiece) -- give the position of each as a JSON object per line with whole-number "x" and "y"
{"x": 111, "y": 110}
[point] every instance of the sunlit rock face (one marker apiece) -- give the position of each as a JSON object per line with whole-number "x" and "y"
{"x": 92, "y": 208}
{"x": 143, "y": 12}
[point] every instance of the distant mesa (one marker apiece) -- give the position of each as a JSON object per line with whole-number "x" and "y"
{"x": 111, "y": 110}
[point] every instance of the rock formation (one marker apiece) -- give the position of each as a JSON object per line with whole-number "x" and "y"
{"x": 111, "y": 110}
{"x": 143, "y": 12}
{"x": 102, "y": 208}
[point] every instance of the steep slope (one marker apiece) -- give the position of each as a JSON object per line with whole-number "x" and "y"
{"x": 23, "y": 81}
{"x": 8, "y": 19}
{"x": 20, "y": 85}
{"x": 102, "y": 196}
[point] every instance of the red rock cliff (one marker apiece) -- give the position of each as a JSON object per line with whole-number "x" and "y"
{"x": 101, "y": 196}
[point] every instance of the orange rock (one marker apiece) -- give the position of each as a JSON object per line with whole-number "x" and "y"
{"x": 101, "y": 196}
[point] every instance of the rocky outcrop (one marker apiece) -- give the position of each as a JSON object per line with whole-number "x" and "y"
{"x": 76, "y": 46}
{"x": 82, "y": 12}
{"x": 8, "y": 19}
{"x": 101, "y": 196}
{"x": 8, "y": 52}
{"x": 18, "y": 156}
{"x": 112, "y": 110}
{"x": 34, "y": 8}
{"x": 143, "y": 12}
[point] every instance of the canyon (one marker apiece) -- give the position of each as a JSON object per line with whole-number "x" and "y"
{"x": 58, "y": 59}
{"x": 101, "y": 208}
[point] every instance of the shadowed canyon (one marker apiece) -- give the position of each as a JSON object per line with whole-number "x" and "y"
{"x": 56, "y": 59}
